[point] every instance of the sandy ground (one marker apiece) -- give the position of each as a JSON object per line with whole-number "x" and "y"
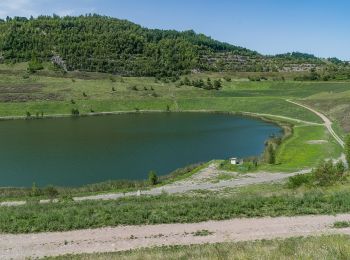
{"x": 133, "y": 237}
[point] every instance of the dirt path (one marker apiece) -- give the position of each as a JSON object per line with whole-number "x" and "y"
{"x": 326, "y": 120}
{"x": 205, "y": 179}
{"x": 132, "y": 237}
{"x": 202, "y": 181}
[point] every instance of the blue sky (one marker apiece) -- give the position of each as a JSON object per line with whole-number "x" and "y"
{"x": 320, "y": 27}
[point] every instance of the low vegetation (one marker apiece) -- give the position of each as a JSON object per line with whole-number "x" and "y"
{"x": 68, "y": 215}
{"x": 323, "y": 247}
{"x": 341, "y": 224}
{"x": 326, "y": 173}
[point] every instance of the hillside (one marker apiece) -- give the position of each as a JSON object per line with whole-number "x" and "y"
{"x": 103, "y": 44}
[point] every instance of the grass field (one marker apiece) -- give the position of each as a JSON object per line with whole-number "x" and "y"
{"x": 103, "y": 93}
{"x": 323, "y": 247}
{"x": 307, "y": 147}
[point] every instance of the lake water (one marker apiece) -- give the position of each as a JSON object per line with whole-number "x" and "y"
{"x": 77, "y": 151}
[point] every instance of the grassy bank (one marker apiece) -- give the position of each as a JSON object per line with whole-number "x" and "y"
{"x": 323, "y": 247}
{"x": 258, "y": 201}
{"x": 305, "y": 148}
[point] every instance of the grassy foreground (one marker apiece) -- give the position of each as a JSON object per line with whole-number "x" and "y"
{"x": 324, "y": 247}
{"x": 251, "y": 201}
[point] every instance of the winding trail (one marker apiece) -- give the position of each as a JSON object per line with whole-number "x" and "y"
{"x": 132, "y": 237}
{"x": 327, "y": 122}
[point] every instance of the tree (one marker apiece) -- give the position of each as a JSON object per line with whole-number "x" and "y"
{"x": 187, "y": 82}
{"x": 271, "y": 154}
{"x": 153, "y": 178}
{"x": 339, "y": 169}
{"x": 75, "y": 112}
{"x": 209, "y": 84}
{"x": 347, "y": 149}
{"x": 35, "y": 191}
{"x": 217, "y": 84}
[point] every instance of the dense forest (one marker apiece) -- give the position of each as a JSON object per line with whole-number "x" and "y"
{"x": 104, "y": 44}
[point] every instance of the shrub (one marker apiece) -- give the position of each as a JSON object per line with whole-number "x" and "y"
{"x": 153, "y": 178}
{"x": 75, "y": 112}
{"x": 327, "y": 173}
{"x": 35, "y": 191}
{"x": 341, "y": 224}
{"x": 35, "y": 65}
{"x": 51, "y": 191}
{"x": 299, "y": 180}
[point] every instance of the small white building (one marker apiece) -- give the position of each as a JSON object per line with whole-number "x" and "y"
{"x": 236, "y": 161}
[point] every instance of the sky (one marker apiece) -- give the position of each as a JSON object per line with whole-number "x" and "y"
{"x": 320, "y": 27}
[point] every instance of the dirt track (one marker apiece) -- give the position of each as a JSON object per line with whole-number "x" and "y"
{"x": 133, "y": 237}
{"x": 327, "y": 122}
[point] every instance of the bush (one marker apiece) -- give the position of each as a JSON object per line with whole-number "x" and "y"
{"x": 51, "y": 191}
{"x": 75, "y": 112}
{"x": 153, "y": 178}
{"x": 34, "y": 65}
{"x": 328, "y": 173}
{"x": 300, "y": 180}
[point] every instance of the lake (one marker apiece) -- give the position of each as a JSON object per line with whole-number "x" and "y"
{"x": 78, "y": 151}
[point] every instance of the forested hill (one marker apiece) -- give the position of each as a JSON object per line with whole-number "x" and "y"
{"x": 104, "y": 44}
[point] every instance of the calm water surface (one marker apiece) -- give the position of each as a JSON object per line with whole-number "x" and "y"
{"x": 77, "y": 151}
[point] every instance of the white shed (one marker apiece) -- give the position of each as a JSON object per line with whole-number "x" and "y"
{"x": 236, "y": 161}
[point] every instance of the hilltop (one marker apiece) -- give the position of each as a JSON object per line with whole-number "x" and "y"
{"x": 97, "y": 43}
